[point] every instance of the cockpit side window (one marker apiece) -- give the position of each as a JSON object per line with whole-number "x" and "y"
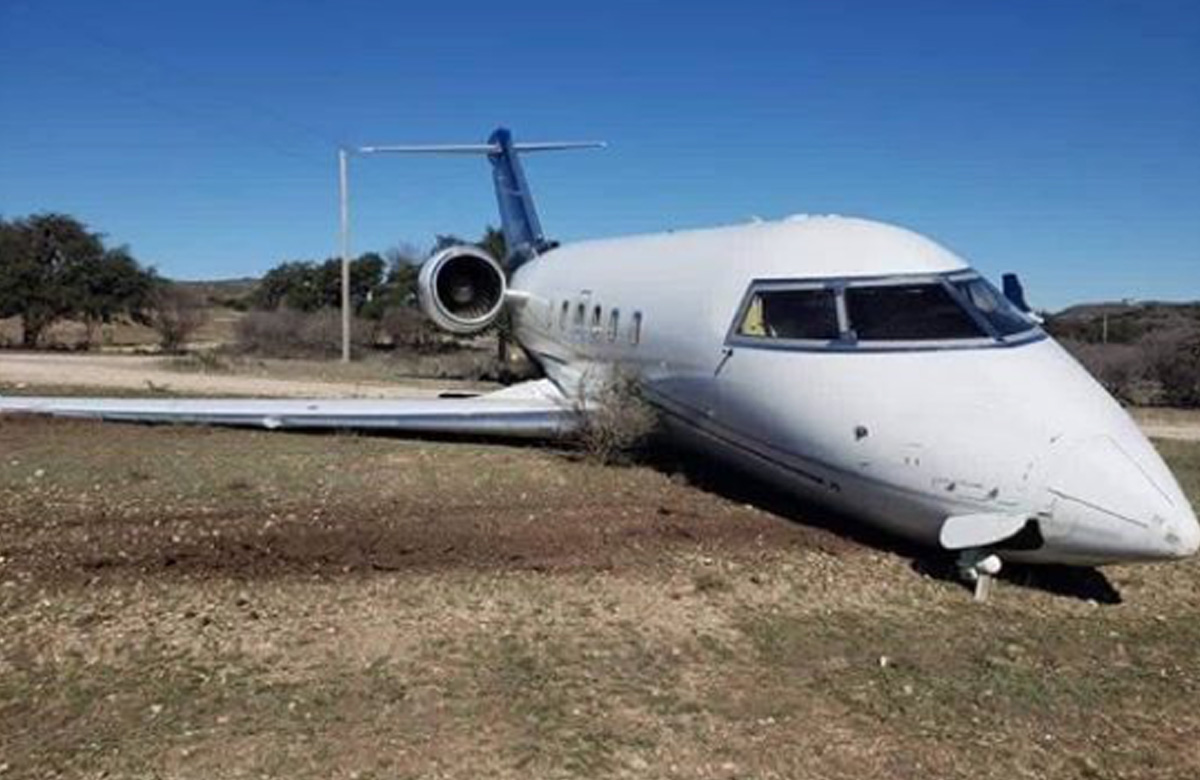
{"x": 990, "y": 304}
{"x": 806, "y": 314}
{"x": 908, "y": 312}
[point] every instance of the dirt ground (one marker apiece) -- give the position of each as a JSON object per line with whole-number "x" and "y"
{"x": 187, "y": 602}
{"x": 1179, "y": 424}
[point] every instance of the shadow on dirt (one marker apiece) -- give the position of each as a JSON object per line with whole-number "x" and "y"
{"x": 733, "y": 484}
{"x": 1077, "y": 582}
{"x": 709, "y": 475}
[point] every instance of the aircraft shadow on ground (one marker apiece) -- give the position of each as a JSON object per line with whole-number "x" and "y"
{"x": 1083, "y": 583}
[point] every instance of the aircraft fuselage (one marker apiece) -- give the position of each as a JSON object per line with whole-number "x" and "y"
{"x": 903, "y": 433}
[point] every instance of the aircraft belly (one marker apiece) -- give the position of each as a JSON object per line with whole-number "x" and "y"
{"x": 897, "y": 508}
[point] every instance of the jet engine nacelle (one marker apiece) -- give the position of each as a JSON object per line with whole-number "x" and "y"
{"x": 462, "y": 289}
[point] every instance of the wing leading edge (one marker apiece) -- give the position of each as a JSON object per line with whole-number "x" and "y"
{"x": 528, "y": 410}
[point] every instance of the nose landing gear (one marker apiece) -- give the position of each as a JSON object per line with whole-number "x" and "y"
{"x": 980, "y": 567}
{"x": 974, "y": 537}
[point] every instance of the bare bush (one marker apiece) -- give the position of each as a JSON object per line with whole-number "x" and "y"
{"x": 616, "y": 420}
{"x": 292, "y": 334}
{"x": 1122, "y": 369}
{"x": 410, "y": 330}
{"x": 176, "y": 314}
{"x": 1162, "y": 369}
{"x": 1174, "y": 362}
{"x": 205, "y": 361}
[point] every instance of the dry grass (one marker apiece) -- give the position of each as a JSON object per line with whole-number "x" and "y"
{"x": 203, "y": 603}
{"x": 420, "y": 371}
{"x": 217, "y": 329}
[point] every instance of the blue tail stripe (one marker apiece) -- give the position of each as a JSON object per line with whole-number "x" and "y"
{"x": 518, "y": 216}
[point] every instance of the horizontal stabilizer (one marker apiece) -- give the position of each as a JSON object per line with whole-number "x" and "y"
{"x": 966, "y": 532}
{"x": 491, "y": 148}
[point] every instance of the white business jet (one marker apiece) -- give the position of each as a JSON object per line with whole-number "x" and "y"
{"x": 861, "y": 365}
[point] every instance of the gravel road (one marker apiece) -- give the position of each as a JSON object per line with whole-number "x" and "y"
{"x": 142, "y": 372}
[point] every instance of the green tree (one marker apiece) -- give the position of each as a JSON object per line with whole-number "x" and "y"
{"x": 367, "y": 284}
{"x": 494, "y": 244}
{"x": 52, "y": 266}
{"x": 308, "y": 286}
{"x": 398, "y": 288}
{"x": 14, "y": 251}
{"x": 445, "y": 241}
{"x": 296, "y": 285}
{"x": 110, "y": 286}
{"x": 366, "y": 278}
{"x": 44, "y": 259}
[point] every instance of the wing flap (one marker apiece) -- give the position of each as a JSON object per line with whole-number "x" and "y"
{"x": 529, "y": 410}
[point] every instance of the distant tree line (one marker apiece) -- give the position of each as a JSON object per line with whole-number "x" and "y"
{"x": 378, "y": 282}
{"x": 293, "y": 309}
{"x": 53, "y": 267}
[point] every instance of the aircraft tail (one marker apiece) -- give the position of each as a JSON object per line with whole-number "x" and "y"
{"x": 518, "y": 216}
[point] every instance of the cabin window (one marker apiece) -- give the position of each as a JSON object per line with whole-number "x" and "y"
{"x": 635, "y": 328}
{"x": 614, "y": 324}
{"x": 563, "y": 315}
{"x": 908, "y": 312}
{"x": 791, "y": 314}
{"x": 597, "y": 318}
{"x": 580, "y": 313}
{"x": 991, "y": 304}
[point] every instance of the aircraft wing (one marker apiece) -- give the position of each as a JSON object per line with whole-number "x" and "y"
{"x": 528, "y": 410}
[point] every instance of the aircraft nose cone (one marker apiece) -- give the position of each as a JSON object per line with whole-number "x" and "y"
{"x": 1186, "y": 533}
{"x": 1119, "y": 506}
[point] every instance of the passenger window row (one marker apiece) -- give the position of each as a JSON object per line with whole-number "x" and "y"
{"x": 598, "y": 329}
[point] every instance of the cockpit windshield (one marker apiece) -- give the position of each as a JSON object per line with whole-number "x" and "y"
{"x": 908, "y": 312}
{"x": 958, "y": 309}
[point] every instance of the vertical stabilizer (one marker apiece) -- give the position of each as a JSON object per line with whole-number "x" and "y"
{"x": 518, "y": 216}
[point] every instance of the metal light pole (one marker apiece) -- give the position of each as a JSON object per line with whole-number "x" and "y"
{"x": 344, "y": 203}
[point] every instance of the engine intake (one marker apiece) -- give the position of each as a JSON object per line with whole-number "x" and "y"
{"x": 462, "y": 289}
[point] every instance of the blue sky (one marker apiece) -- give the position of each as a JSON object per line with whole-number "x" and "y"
{"x": 1061, "y": 140}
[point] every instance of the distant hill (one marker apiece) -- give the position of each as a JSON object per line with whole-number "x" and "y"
{"x": 230, "y": 293}
{"x": 1127, "y": 323}
{"x": 1086, "y": 310}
